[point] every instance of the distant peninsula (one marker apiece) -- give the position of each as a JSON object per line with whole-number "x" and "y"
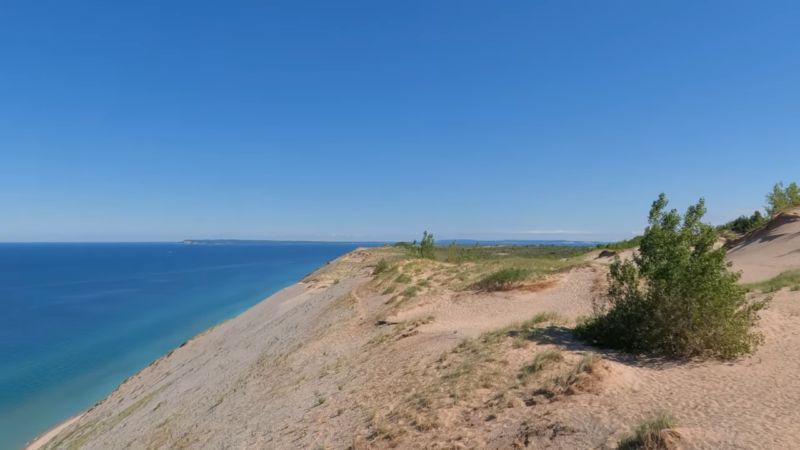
{"x": 266, "y": 242}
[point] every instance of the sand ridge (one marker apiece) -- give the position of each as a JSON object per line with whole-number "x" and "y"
{"x": 334, "y": 361}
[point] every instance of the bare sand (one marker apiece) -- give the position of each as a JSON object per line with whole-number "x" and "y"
{"x": 769, "y": 251}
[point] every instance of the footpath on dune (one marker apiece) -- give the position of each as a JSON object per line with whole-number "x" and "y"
{"x": 345, "y": 359}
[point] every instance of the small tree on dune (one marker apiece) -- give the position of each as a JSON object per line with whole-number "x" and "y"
{"x": 677, "y": 296}
{"x": 426, "y": 247}
{"x": 781, "y": 199}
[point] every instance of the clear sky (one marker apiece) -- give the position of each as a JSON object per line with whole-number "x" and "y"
{"x": 331, "y": 120}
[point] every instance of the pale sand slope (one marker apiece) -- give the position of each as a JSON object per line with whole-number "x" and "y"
{"x": 769, "y": 251}
{"x": 311, "y": 368}
{"x": 51, "y": 433}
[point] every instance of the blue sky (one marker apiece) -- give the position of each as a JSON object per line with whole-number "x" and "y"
{"x": 155, "y": 120}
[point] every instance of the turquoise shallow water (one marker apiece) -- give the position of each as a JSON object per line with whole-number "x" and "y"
{"x": 77, "y": 319}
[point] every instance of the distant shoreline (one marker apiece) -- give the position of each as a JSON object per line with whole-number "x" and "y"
{"x": 379, "y": 243}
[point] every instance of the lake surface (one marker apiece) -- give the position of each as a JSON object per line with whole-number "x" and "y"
{"x": 78, "y": 319}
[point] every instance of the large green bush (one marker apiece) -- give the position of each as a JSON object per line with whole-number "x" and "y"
{"x": 677, "y": 296}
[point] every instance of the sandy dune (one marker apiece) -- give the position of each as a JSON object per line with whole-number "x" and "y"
{"x": 318, "y": 364}
{"x": 769, "y": 251}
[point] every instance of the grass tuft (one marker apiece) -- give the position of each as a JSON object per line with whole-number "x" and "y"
{"x": 657, "y": 433}
{"x": 388, "y": 290}
{"x": 540, "y": 361}
{"x": 411, "y": 291}
{"x": 402, "y": 278}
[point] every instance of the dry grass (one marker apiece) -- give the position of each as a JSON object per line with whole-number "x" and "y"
{"x": 540, "y": 361}
{"x": 657, "y": 433}
{"x": 481, "y": 377}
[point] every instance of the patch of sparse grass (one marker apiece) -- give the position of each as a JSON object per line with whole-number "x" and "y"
{"x": 411, "y": 291}
{"x": 381, "y": 267}
{"x": 786, "y": 279}
{"x": 571, "y": 381}
{"x": 388, "y": 290}
{"x": 526, "y": 331}
{"x": 657, "y": 433}
{"x": 424, "y": 283}
{"x": 540, "y": 360}
{"x": 380, "y": 338}
{"x": 543, "y": 317}
{"x": 402, "y": 278}
{"x": 503, "y": 280}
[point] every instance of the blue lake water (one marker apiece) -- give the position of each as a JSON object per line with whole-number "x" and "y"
{"x": 78, "y": 319}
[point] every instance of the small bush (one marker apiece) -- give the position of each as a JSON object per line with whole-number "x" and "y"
{"x": 388, "y": 290}
{"x": 402, "y": 278}
{"x": 382, "y": 266}
{"x": 677, "y": 296}
{"x": 503, "y": 280}
{"x": 424, "y": 283}
{"x": 657, "y": 433}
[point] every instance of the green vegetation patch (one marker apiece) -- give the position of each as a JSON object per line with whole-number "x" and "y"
{"x": 403, "y": 278}
{"x": 504, "y": 279}
{"x": 789, "y": 279}
{"x": 411, "y": 291}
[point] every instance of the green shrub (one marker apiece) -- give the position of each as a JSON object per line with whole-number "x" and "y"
{"x": 503, "y": 279}
{"x": 677, "y": 296}
{"x": 382, "y": 266}
{"x": 402, "y": 278}
{"x": 426, "y": 247}
{"x": 780, "y": 199}
{"x": 424, "y": 283}
{"x": 745, "y": 224}
{"x": 657, "y": 433}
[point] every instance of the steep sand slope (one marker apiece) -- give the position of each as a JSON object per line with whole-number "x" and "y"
{"x": 769, "y": 251}
{"x": 334, "y": 363}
